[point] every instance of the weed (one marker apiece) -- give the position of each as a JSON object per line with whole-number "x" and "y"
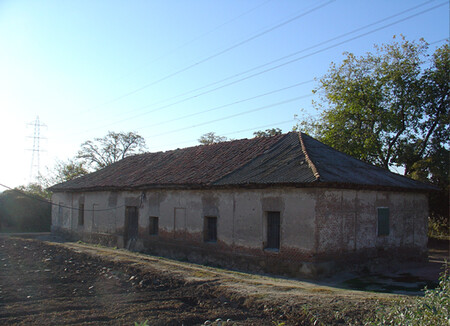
{"x": 432, "y": 309}
{"x": 144, "y": 323}
{"x": 313, "y": 319}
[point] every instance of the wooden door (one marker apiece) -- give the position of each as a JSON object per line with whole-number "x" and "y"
{"x": 131, "y": 224}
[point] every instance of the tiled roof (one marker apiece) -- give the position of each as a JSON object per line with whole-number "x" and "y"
{"x": 336, "y": 167}
{"x": 289, "y": 159}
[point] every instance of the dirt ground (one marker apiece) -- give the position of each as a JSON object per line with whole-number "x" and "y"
{"x": 46, "y": 283}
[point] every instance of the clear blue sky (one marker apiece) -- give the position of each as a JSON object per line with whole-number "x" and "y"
{"x": 86, "y": 67}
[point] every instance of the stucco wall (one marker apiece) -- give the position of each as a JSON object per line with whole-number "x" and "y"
{"x": 239, "y": 214}
{"x": 347, "y": 221}
{"x": 316, "y": 224}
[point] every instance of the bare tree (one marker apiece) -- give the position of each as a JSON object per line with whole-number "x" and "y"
{"x": 113, "y": 147}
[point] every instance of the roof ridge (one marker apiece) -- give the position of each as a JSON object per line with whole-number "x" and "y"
{"x": 281, "y": 137}
{"x": 308, "y": 159}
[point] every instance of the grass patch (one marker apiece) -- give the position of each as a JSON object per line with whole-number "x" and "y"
{"x": 431, "y": 309}
{"x": 320, "y": 290}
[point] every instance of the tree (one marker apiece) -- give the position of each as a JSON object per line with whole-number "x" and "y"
{"x": 390, "y": 108}
{"x": 107, "y": 150}
{"x": 35, "y": 189}
{"x": 430, "y": 157}
{"x": 267, "y": 133}
{"x": 211, "y": 138}
{"x": 63, "y": 171}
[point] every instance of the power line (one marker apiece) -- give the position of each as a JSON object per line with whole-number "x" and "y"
{"x": 439, "y": 41}
{"x": 303, "y": 57}
{"x": 279, "y": 59}
{"x": 271, "y": 29}
{"x": 235, "y": 115}
{"x": 282, "y": 58}
{"x": 273, "y": 124}
{"x": 224, "y": 105}
{"x": 199, "y": 37}
{"x": 233, "y": 103}
{"x": 290, "y": 100}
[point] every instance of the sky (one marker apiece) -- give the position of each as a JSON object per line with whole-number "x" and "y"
{"x": 173, "y": 70}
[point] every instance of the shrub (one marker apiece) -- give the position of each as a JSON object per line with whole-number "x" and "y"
{"x": 438, "y": 227}
{"x": 431, "y": 309}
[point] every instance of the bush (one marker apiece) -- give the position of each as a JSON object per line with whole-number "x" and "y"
{"x": 431, "y": 309}
{"x": 438, "y": 222}
{"x": 438, "y": 227}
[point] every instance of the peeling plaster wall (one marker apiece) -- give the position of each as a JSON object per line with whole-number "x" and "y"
{"x": 317, "y": 225}
{"x": 347, "y": 221}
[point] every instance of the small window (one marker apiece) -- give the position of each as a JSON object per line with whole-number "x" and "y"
{"x": 273, "y": 230}
{"x": 210, "y": 229}
{"x": 81, "y": 214}
{"x": 153, "y": 225}
{"x": 383, "y": 221}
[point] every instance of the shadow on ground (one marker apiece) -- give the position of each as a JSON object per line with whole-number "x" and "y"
{"x": 409, "y": 278}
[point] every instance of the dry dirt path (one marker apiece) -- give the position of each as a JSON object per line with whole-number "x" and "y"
{"x": 44, "y": 283}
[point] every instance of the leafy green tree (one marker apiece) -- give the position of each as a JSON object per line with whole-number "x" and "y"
{"x": 211, "y": 138}
{"x": 35, "y": 189}
{"x": 389, "y": 108}
{"x": 63, "y": 171}
{"x": 267, "y": 132}
{"x": 113, "y": 147}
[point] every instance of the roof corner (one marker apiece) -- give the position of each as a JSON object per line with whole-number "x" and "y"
{"x": 308, "y": 159}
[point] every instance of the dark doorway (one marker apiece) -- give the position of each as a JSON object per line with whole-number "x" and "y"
{"x": 273, "y": 230}
{"x": 210, "y": 229}
{"x": 131, "y": 225}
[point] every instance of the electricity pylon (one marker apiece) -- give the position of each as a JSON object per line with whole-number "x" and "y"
{"x": 35, "y": 157}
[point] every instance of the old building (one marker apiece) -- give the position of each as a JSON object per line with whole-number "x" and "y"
{"x": 284, "y": 204}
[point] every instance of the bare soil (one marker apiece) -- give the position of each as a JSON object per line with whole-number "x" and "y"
{"x": 46, "y": 283}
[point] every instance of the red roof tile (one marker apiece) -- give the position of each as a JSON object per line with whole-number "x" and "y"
{"x": 293, "y": 158}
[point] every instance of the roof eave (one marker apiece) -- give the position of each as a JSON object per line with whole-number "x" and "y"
{"x": 314, "y": 184}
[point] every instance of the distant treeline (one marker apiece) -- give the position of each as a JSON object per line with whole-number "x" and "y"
{"x": 24, "y": 213}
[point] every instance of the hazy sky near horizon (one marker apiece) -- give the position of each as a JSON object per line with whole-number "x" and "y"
{"x": 173, "y": 70}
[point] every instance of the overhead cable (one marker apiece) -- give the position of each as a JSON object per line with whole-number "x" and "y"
{"x": 235, "y": 115}
{"x": 280, "y": 59}
{"x": 271, "y": 29}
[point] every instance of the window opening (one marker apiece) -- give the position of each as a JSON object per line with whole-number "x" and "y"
{"x": 153, "y": 225}
{"x": 81, "y": 214}
{"x": 60, "y": 214}
{"x": 383, "y": 221}
{"x": 210, "y": 229}
{"x": 273, "y": 230}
